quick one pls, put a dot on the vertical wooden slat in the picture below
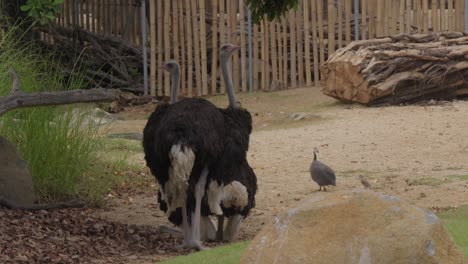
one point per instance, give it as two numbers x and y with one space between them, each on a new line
450 15
222 33
386 18
348 21
425 16
371 11
123 19
315 53
233 39
214 46
320 32
434 16
154 63
396 10
308 70
183 48
175 36
401 24
160 44
86 14
379 21
443 16
331 27
272 50
280 50
292 46
285 45
204 70
267 57
339 22
365 29
196 46
188 28
255 57
167 41
459 15
300 52
417 15
408 16
263 55
116 18
243 45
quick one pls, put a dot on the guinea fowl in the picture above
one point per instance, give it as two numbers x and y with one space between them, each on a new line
232 182
182 142
321 173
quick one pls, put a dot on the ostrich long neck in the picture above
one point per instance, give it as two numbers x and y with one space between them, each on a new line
175 80
226 69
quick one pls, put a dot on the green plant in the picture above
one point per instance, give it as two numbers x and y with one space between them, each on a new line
456 222
270 8
225 254
42 10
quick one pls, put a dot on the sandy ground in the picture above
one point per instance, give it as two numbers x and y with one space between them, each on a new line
419 153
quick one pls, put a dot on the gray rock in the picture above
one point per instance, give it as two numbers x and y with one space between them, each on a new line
15 181
131 136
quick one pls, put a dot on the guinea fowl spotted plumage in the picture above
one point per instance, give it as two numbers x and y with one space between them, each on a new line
321 173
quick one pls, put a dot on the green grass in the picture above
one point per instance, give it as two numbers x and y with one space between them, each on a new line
225 254
427 181
61 151
456 222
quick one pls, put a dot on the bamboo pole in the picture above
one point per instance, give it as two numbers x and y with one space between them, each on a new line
313 16
443 16
401 24
292 46
196 47
331 27
339 22
214 45
379 22
279 46
183 48
308 70
425 8
272 51
175 26
160 44
153 62
255 57
243 45
267 57
386 18
408 16
450 15
320 31
233 39
167 41
284 25
263 55
222 33
300 48
371 13
434 16
203 48
348 21
365 29
189 33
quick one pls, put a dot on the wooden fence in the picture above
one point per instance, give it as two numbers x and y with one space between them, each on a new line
287 53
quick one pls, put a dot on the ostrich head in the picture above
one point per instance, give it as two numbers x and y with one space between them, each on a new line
174 69
225 58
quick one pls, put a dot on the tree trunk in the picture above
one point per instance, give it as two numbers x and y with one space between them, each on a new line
399 69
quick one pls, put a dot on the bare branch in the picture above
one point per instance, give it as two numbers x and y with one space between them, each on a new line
18 100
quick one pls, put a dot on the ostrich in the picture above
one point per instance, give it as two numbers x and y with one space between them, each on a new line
181 142
232 183
321 173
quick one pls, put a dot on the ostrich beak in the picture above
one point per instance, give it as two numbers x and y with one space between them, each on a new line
163 67
233 48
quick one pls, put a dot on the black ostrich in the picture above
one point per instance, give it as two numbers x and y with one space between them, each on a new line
232 183
182 142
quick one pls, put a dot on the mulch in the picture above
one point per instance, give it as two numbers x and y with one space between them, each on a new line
76 236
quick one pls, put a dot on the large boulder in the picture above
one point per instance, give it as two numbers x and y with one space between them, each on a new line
16 183
358 226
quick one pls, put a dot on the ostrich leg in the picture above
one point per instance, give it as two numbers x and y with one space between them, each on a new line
219 233
194 239
232 227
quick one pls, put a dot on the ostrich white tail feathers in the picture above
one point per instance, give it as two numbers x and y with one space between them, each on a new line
232 195
175 190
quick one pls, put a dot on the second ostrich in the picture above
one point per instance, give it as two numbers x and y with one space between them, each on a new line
232 183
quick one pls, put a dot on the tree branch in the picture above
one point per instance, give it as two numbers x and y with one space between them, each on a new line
18 99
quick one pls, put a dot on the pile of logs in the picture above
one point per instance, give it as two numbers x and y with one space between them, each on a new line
399 69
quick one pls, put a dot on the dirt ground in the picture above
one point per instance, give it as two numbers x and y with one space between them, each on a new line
419 153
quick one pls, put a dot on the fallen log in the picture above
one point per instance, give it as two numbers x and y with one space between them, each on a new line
17 98
399 69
